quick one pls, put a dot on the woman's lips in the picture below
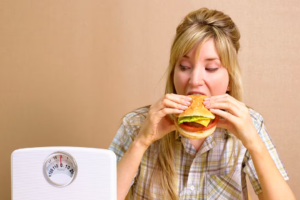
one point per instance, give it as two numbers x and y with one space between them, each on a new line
195 93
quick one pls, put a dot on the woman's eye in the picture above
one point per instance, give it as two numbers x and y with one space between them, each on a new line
183 67
211 69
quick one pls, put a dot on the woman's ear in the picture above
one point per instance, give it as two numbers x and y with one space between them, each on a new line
228 89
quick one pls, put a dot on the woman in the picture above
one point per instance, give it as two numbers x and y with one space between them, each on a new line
156 162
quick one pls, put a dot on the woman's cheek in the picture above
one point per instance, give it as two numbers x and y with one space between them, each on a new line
219 84
180 82
177 82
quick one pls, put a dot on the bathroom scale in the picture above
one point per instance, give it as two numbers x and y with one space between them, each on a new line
63 173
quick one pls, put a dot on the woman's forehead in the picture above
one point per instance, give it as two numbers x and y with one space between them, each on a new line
204 51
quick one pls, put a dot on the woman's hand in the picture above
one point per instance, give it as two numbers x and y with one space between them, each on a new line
158 123
236 116
237 120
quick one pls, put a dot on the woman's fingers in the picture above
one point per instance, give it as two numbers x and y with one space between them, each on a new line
158 123
223 123
181 99
223 98
226 124
237 118
174 101
168 111
225 102
231 118
171 104
230 107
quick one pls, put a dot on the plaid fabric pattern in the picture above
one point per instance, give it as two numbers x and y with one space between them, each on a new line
206 174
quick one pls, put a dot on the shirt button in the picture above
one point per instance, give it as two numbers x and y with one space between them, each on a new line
192 188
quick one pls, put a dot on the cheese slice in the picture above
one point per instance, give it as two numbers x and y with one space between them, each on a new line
191 119
203 122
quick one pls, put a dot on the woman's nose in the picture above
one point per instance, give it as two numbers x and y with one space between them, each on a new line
196 78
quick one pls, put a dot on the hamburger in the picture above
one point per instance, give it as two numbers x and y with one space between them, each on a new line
196 121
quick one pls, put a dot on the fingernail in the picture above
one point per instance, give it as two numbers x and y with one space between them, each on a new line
187 103
206 99
189 98
207 105
184 107
205 102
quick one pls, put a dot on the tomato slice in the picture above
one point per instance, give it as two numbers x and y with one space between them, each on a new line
201 128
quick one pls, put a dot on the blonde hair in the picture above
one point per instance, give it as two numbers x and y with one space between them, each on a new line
198 26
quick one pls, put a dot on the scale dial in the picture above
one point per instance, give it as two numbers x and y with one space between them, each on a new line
60 169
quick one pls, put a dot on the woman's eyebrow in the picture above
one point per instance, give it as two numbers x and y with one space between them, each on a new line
206 59
211 59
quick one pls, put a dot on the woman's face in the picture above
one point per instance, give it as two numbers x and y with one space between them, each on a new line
206 75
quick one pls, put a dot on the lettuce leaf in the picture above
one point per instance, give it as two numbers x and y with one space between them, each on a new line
190 119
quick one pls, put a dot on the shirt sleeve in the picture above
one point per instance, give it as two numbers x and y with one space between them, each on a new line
123 139
249 166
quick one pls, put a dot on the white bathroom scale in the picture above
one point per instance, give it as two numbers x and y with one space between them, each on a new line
63 173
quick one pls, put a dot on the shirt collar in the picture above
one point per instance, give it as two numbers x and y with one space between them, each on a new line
177 135
209 143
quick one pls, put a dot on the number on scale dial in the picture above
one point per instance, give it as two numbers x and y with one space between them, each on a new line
60 169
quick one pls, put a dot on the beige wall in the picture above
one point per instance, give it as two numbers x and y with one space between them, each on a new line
69 70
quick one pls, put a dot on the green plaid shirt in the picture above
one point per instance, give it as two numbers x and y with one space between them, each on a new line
204 174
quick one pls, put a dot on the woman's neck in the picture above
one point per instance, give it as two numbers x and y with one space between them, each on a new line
197 143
